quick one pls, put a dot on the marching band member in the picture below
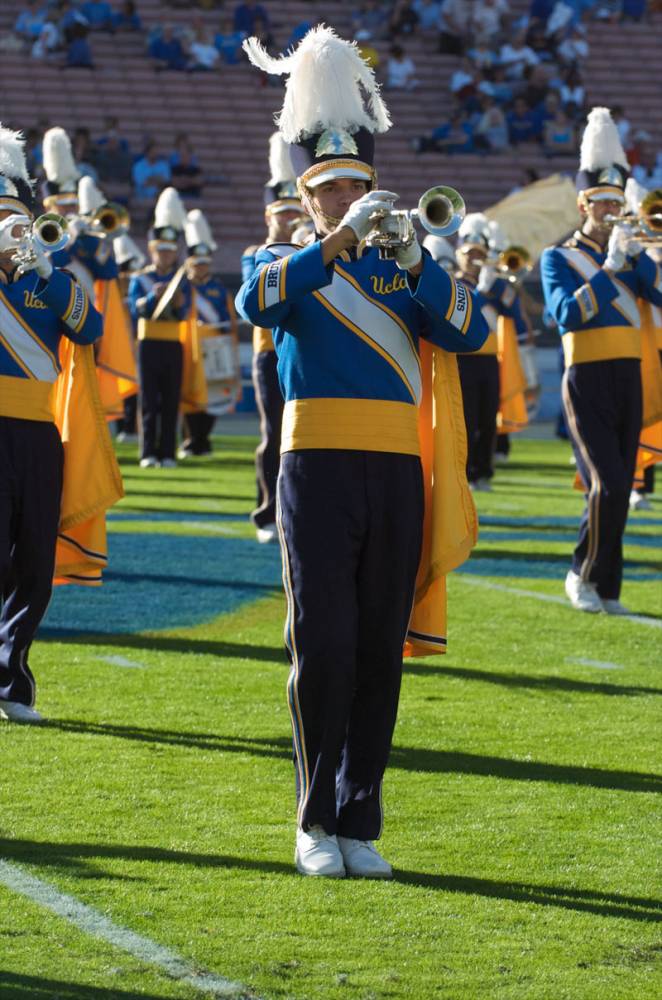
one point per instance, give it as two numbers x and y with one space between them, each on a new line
158 331
441 250
479 372
282 209
346 326
39 304
591 284
214 310
129 258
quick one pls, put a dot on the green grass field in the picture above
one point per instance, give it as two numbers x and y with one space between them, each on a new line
522 801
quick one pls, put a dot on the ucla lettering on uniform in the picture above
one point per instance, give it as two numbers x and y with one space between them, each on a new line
380 288
32 302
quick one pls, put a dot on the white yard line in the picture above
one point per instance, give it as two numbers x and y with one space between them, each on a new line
477 581
120 661
601 664
94 923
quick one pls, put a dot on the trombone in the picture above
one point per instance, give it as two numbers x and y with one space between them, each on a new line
440 210
49 232
513 262
646 223
110 220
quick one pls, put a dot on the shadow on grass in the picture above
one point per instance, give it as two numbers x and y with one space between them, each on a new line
126 505
545 683
519 556
163 492
21 987
75 856
191 581
169 644
403 758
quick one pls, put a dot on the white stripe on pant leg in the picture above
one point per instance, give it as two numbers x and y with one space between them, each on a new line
94 923
593 505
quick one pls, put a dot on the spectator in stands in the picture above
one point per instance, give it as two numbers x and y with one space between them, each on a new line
463 84
49 40
299 31
482 56
113 159
245 16
112 136
537 85
573 95
228 41
127 17
79 53
263 33
33 152
491 130
84 153
623 126
30 21
541 43
574 48
559 135
453 27
70 20
453 136
401 71
486 20
166 50
369 21
404 19
648 171
151 173
185 171
203 54
523 123
98 14
516 56
428 12
547 109
540 10
633 10
495 84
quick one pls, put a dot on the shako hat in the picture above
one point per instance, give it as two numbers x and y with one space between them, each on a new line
332 107
474 231
200 243
603 165
440 250
16 194
280 191
169 220
90 198
128 255
62 174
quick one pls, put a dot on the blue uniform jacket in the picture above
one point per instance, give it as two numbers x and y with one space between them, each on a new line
211 302
94 253
143 301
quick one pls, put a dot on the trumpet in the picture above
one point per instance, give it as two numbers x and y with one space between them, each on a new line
440 210
111 219
513 262
49 233
646 224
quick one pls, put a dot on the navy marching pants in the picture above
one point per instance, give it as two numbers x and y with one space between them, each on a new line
602 403
160 371
351 524
270 405
31 459
479 377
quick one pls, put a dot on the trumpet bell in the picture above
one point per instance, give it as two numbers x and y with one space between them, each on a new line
112 219
650 213
51 232
514 260
441 210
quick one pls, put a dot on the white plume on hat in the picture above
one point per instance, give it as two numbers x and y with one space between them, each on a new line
475 228
601 144
12 155
197 230
280 163
124 249
90 197
497 236
169 210
327 88
440 248
58 158
634 195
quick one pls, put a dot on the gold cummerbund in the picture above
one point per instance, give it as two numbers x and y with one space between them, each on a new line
26 398
604 343
490 345
262 339
158 329
356 424
658 337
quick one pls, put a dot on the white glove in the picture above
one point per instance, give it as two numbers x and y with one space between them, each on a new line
38 262
486 278
8 241
359 214
75 226
631 244
616 252
408 257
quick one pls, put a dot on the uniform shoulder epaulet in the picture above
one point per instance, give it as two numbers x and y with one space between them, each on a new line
251 250
281 249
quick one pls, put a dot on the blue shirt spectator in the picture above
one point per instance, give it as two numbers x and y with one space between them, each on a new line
127 17
245 15
228 44
454 136
541 9
167 50
151 173
79 53
98 14
30 21
523 123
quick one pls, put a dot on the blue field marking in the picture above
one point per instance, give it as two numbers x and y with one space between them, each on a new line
497 521
168 516
160 581
646 541
533 568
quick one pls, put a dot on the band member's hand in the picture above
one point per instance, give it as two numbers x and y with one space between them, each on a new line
486 278
616 253
38 261
408 258
360 215
631 244
158 288
12 229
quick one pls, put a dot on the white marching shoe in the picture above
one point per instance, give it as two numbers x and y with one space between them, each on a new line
639 501
149 462
15 711
614 607
317 853
582 595
267 534
362 859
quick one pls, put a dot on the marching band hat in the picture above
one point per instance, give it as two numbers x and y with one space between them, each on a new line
61 172
16 194
90 197
474 232
169 221
441 250
332 107
603 165
280 191
199 240
128 255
